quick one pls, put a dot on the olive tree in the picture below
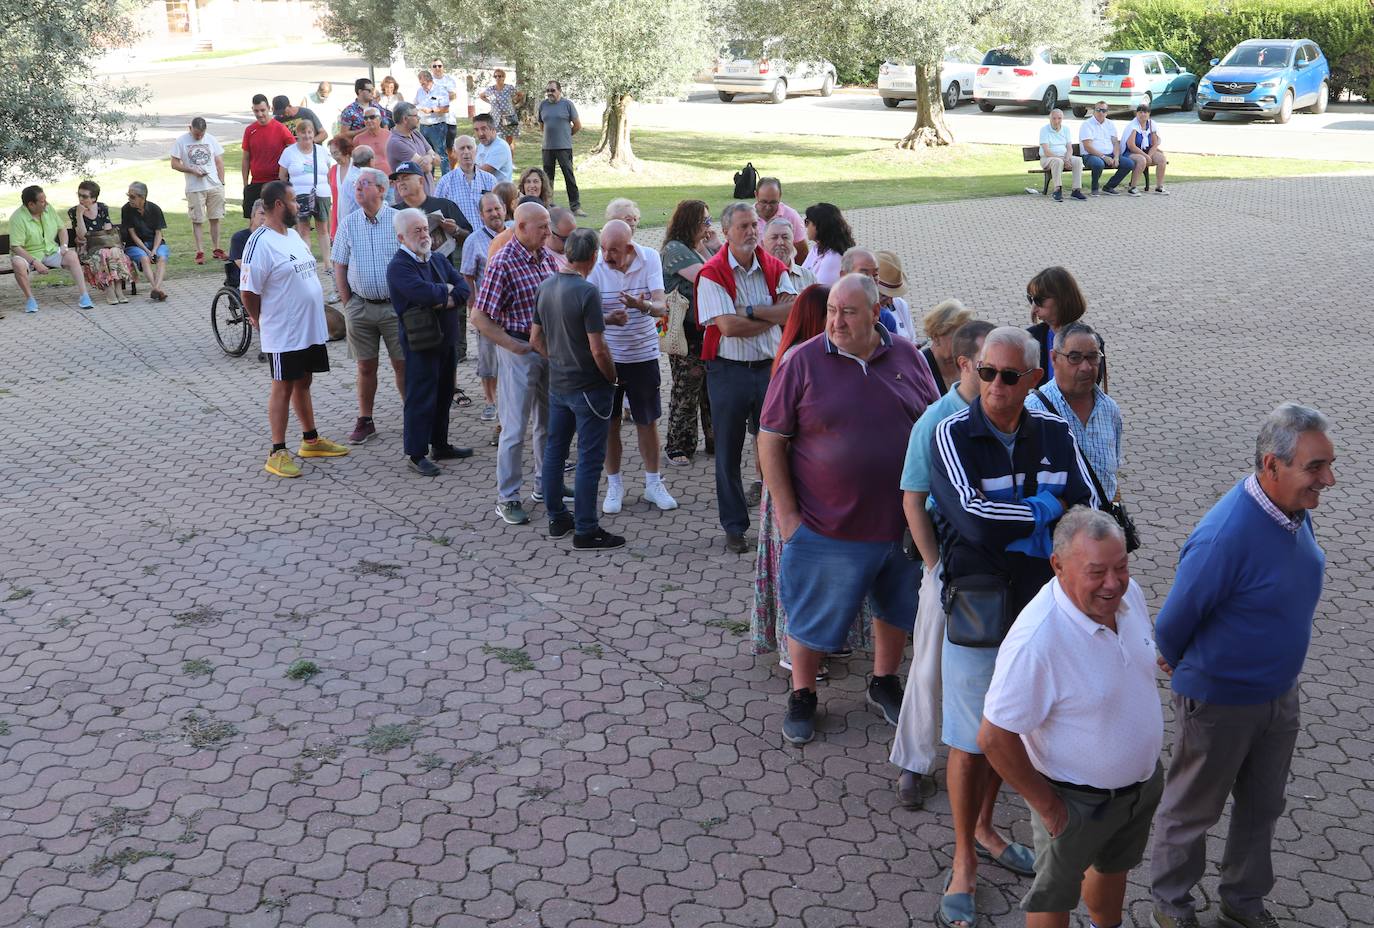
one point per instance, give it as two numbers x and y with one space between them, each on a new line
367 27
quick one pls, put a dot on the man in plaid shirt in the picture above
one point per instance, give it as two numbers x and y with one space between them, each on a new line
503 313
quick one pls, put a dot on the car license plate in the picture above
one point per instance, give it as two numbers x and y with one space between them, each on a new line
903 85
1231 99
1102 84
999 93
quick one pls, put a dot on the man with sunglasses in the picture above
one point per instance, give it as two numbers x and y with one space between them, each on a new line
449 84
560 121
1001 476
1101 145
351 120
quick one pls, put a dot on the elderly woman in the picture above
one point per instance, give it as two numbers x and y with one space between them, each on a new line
535 183
686 247
624 209
103 262
1056 301
144 224
305 166
940 324
827 229
503 99
389 93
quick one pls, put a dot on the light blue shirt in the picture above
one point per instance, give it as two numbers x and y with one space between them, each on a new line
497 154
1059 144
367 247
466 193
916 470
1099 440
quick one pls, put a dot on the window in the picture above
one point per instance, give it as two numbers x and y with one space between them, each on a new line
1005 57
1170 66
1152 66
1259 56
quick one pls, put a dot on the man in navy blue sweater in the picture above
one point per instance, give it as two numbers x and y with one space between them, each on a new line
1233 634
416 277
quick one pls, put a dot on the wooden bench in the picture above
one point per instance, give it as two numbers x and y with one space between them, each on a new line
1032 153
7 267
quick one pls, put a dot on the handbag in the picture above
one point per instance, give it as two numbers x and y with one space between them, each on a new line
675 341
423 332
305 202
1114 508
977 610
103 238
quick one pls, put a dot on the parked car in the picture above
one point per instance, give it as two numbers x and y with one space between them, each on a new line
1009 77
897 80
749 67
1126 79
1266 77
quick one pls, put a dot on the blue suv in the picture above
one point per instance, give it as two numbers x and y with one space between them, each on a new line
1266 77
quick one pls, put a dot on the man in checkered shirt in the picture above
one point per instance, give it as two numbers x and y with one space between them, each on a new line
503 313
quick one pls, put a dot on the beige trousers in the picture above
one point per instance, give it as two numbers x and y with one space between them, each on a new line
1056 166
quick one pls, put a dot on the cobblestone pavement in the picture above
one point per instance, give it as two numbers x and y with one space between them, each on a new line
506 733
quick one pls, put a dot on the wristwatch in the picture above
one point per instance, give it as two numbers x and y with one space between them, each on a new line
749 311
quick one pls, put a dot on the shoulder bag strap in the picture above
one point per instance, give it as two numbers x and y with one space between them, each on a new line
1103 502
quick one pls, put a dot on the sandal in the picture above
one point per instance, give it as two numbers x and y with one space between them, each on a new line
1016 857
679 459
956 909
460 398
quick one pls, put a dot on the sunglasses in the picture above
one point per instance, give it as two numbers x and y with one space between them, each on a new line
1076 358
1100 109
1011 378
437 64
1037 298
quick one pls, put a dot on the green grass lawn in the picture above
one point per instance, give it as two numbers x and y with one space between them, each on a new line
210 55
851 173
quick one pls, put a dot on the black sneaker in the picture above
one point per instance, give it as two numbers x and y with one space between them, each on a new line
423 466
799 725
885 693
451 453
736 544
560 525
598 540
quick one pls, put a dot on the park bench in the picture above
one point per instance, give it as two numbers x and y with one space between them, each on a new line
1032 153
7 264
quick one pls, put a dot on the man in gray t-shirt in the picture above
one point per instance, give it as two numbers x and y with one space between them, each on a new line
559 118
569 329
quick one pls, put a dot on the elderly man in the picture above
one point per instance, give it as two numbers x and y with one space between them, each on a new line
560 122
465 185
562 222
504 312
352 118
363 248
424 284
1002 476
493 223
284 301
361 157
769 206
493 153
144 226
200 157
1056 153
743 294
38 244
432 103
862 261
411 192
1233 634
374 138
408 145
833 476
1072 721
569 328
781 242
324 103
1101 146
629 278
264 139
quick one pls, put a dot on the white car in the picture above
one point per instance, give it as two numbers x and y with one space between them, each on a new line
747 67
897 80
1008 77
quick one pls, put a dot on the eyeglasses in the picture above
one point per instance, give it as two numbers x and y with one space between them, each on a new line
1037 298
561 238
373 116
437 64
1100 109
84 196
708 222
1011 378
1078 357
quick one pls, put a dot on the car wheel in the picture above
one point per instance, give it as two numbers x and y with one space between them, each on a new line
1286 110
1050 100
986 107
779 93
827 86
1206 115
890 102
1189 100
952 95
1323 97
725 97
1080 112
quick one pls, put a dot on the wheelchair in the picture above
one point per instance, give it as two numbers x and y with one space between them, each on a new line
230 322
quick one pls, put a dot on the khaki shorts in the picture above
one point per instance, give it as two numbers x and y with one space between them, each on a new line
206 204
1107 833
369 324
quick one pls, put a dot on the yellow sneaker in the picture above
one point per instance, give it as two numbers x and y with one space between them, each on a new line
282 464
321 448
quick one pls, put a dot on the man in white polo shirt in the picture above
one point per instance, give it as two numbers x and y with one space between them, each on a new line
1072 721
1101 146
630 278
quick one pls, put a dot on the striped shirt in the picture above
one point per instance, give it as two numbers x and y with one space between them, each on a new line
751 289
475 253
366 246
466 193
637 339
1256 492
1099 441
510 285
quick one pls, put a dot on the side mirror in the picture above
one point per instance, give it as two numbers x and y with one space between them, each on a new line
1301 63
1215 62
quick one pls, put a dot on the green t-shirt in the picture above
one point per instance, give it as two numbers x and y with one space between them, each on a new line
36 235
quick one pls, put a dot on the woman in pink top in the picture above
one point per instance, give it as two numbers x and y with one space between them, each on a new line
826 228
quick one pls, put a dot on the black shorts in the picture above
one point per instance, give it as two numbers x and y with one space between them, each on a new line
293 365
251 192
639 381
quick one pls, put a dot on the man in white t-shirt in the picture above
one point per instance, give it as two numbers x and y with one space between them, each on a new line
1102 149
630 278
285 302
1072 722
1056 153
450 85
324 103
493 154
200 156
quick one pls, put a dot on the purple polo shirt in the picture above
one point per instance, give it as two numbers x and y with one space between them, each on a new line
849 422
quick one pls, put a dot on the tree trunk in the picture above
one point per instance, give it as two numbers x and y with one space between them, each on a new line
930 129
614 144
528 110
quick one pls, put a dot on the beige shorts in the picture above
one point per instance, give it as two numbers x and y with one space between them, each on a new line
206 204
370 324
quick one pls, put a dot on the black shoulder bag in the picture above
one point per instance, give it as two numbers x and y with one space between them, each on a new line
421 323
746 182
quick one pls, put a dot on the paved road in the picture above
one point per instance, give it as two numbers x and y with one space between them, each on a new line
635 775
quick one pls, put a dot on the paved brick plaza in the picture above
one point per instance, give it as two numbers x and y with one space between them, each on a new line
158 768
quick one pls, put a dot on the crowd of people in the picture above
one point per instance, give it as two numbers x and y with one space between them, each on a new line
961 496
1127 152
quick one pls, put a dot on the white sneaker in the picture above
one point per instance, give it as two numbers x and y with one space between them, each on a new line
658 494
1134 192
615 496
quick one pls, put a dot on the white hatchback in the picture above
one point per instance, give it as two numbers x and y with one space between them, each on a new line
897 80
749 67
1009 77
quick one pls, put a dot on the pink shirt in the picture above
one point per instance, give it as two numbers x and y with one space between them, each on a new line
825 265
792 216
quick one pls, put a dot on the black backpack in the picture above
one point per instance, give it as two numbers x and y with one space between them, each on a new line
746 182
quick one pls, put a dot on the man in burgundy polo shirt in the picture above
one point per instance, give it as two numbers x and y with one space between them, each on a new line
832 442
264 140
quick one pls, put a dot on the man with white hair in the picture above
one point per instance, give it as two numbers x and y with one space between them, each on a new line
1233 635
629 277
780 241
1001 477
1072 722
1056 154
465 185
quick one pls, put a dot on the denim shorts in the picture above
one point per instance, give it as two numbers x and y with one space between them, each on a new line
965 675
137 254
824 581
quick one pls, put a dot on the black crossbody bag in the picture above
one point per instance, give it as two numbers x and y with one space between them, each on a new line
423 331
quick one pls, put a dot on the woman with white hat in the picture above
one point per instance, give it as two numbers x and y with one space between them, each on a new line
891 287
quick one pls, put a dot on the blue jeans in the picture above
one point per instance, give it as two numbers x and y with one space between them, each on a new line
437 136
1097 164
589 413
736 390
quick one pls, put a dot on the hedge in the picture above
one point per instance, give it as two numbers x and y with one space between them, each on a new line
1195 31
